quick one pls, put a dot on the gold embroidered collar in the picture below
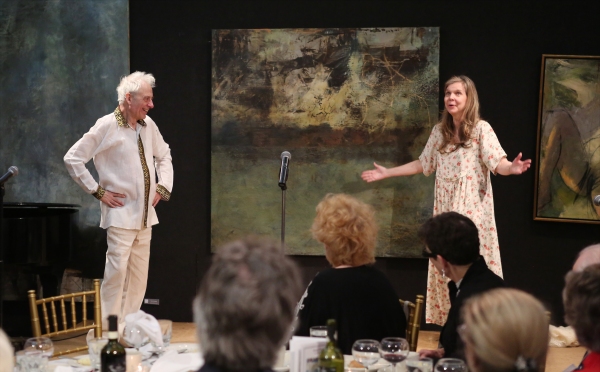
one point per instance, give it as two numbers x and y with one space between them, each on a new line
121 119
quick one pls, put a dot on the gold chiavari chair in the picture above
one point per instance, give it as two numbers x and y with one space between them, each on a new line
56 322
413 312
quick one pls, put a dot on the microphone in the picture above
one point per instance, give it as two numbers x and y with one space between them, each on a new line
597 200
12 171
283 171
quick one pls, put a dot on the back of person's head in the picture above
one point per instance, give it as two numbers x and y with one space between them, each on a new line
452 236
245 305
588 256
581 298
347 228
504 330
6 353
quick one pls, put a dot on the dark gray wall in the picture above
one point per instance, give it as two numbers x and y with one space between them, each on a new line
498 44
54 84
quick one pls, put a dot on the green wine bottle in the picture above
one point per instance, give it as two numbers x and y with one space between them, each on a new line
112 356
331 358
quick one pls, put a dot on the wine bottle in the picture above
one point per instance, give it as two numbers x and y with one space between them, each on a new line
112 356
331 358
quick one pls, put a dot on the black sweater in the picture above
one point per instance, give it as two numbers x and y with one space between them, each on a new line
361 300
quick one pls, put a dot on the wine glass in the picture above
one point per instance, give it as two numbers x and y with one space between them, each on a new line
451 364
134 336
43 344
394 350
366 352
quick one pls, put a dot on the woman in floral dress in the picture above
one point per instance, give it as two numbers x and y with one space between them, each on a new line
462 150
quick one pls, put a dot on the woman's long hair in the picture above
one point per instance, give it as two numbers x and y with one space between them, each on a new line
469 119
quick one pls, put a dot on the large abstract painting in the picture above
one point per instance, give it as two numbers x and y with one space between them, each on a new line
337 100
568 179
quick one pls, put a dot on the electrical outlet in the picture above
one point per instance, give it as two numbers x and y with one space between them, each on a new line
151 301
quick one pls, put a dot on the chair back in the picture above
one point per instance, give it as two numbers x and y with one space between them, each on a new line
56 322
413 313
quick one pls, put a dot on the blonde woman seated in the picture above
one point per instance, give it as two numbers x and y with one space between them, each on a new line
504 330
353 292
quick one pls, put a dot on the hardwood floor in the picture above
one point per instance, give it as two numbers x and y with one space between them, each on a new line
558 358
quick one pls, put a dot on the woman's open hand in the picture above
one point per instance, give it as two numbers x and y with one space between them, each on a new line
519 166
376 174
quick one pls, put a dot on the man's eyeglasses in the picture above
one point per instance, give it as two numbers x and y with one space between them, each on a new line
426 254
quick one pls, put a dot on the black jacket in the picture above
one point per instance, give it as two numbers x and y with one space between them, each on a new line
478 278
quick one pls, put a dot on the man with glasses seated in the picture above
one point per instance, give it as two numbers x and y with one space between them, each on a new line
452 245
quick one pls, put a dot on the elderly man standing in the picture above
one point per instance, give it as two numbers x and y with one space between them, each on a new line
129 154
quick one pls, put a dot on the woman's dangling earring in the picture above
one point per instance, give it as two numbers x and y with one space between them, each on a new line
443 273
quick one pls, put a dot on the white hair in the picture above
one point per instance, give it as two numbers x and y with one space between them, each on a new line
131 84
590 255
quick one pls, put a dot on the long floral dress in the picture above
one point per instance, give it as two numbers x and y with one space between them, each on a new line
463 185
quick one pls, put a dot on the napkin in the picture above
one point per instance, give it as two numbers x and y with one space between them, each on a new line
149 326
562 337
172 361
63 369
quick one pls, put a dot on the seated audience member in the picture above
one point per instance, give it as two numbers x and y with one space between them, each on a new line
452 245
588 256
353 292
6 354
504 330
245 306
581 298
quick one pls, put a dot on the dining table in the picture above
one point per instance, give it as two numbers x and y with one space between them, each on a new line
177 357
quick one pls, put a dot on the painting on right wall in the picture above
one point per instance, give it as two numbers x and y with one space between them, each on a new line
568 146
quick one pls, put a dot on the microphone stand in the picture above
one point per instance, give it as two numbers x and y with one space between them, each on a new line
283 188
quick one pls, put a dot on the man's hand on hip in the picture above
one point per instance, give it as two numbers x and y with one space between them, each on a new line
111 199
157 198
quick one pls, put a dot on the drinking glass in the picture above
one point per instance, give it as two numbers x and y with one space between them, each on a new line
30 361
318 331
417 364
394 350
95 346
43 344
134 336
133 360
166 329
450 364
366 352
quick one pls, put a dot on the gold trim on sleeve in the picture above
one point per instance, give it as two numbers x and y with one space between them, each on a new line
99 192
163 192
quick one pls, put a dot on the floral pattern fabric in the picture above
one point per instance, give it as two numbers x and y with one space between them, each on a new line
463 185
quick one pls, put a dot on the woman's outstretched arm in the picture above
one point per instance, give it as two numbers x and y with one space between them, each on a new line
380 172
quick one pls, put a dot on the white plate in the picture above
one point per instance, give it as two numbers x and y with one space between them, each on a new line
72 362
184 347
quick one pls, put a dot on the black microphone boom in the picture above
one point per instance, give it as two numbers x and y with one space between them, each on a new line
283 171
12 171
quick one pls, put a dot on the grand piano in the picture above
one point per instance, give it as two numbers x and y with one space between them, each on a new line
37 241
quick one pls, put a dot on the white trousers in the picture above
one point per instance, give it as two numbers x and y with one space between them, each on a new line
125 273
